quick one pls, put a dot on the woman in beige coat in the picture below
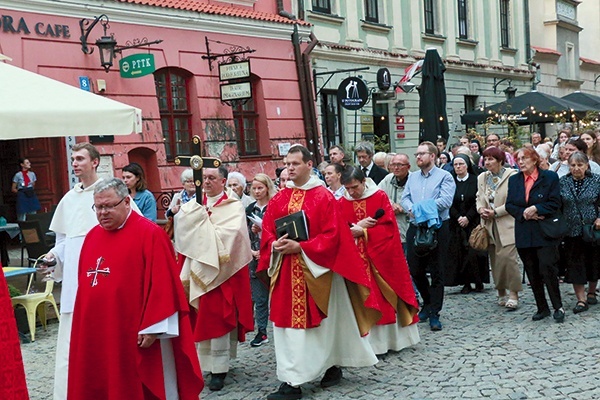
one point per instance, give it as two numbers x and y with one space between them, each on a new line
492 189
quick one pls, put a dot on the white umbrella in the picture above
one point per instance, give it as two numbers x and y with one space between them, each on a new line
33 105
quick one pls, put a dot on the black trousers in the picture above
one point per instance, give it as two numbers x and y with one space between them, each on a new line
434 262
541 266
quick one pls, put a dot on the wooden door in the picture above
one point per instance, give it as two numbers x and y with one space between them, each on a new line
49 162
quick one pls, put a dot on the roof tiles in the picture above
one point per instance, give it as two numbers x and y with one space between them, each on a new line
208 8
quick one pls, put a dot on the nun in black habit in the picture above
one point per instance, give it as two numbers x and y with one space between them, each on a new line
466 266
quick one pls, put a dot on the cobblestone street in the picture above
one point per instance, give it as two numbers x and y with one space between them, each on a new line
483 352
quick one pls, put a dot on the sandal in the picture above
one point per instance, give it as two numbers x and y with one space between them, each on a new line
502 300
581 306
512 304
591 298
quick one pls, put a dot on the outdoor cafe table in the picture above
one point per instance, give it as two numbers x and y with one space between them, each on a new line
9 272
11 230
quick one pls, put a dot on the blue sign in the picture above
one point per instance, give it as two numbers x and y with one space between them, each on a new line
84 83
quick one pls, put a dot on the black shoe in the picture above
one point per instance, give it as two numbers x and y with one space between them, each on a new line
559 315
540 315
479 287
466 289
581 306
286 392
260 339
592 299
217 381
332 377
434 323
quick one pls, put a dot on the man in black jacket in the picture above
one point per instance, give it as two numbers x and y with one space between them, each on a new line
364 153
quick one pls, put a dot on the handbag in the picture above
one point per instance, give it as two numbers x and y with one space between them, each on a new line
591 234
425 240
554 227
479 239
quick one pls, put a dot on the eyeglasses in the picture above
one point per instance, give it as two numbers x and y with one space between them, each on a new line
399 165
421 154
100 209
188 181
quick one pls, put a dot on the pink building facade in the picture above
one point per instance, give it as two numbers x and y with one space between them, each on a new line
181 98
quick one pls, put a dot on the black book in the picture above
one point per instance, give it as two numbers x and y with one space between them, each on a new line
294 225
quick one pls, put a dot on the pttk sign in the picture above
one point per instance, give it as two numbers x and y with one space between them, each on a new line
137 65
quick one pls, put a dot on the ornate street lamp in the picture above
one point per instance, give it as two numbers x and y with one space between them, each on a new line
106 43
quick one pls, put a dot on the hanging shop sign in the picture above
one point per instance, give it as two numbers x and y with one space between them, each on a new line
236 70
236 91
384 79
137 65
353 93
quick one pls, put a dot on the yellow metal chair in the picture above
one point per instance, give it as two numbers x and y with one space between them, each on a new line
35 303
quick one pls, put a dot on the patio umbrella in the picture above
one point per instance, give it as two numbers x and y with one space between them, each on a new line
536 107
33 105
432 102
590 100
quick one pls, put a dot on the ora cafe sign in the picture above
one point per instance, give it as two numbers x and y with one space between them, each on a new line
137 65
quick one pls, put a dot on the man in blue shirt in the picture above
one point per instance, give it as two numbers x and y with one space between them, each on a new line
429 184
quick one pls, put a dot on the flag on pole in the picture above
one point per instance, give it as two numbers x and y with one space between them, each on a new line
410 71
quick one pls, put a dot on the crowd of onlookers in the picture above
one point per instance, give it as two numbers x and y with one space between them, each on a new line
508 190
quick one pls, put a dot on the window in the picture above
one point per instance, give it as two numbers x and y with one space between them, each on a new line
570 58
245 119
175 115
470 105
504 23
371 11
463 31
323 6
331 119
429 17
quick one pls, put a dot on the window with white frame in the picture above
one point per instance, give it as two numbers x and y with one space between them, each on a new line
372 11
505 23
463 19
430 15
322 6
570 58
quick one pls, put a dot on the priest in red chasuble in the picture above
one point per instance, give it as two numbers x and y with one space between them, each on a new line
131 335
368 212
321 306
212 238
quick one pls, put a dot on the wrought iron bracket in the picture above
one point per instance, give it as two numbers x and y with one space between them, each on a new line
234 53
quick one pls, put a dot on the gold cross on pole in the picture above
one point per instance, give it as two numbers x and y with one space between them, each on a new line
197 162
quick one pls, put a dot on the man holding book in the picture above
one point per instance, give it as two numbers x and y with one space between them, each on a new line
321 306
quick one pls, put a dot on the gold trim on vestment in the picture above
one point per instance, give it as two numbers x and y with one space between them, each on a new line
404 313
224 259
198 281
366 318
298 283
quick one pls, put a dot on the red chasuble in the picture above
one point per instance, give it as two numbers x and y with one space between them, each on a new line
225 308
12 375
292 304
128 281
382 249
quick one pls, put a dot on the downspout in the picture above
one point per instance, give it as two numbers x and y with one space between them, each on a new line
307 101
528 57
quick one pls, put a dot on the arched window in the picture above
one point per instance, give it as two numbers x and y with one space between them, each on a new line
172 92
247 121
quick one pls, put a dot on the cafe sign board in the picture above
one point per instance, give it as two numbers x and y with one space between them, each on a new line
237 70
137 65
236 91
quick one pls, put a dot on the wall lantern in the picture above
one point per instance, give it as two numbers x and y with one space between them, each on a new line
107 44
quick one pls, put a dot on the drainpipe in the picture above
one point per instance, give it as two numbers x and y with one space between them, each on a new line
307 100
